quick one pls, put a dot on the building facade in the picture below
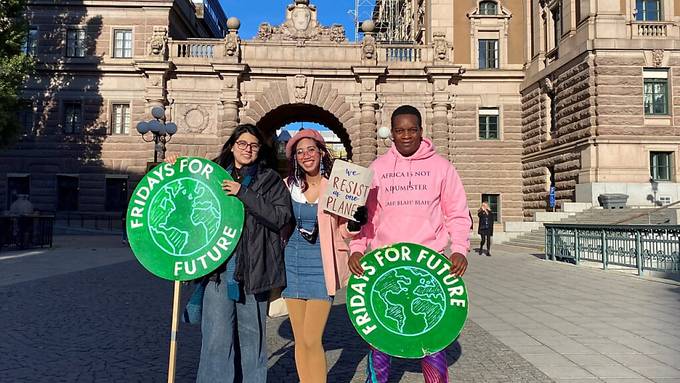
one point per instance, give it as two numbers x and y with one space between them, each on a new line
516 108
600 110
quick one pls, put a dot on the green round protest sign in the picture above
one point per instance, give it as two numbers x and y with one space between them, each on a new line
406 304
180 224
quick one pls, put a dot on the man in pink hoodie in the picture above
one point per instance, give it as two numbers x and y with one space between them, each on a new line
416 196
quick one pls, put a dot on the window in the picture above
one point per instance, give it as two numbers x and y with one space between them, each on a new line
648 10
488 124
557 24
488 54
17 184
655 92
488 8
660 165
75 43
30 45
120 119
122 43
72 117
116 194
25 116
67 193
494 204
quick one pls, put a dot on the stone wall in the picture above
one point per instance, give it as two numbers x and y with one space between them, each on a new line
543 148
489 166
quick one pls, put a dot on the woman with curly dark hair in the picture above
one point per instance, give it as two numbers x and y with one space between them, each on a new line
316 252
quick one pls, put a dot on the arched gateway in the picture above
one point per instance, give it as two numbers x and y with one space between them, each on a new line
302 71
85 154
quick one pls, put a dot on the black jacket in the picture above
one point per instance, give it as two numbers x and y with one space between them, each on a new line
259 263
485 222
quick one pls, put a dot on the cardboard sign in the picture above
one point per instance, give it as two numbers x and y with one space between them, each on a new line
180 224
348 188
407 304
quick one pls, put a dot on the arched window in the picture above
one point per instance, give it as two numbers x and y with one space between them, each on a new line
488 8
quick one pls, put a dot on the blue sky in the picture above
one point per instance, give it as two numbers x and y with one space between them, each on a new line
253 12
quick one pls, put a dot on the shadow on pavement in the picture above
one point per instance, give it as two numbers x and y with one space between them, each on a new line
341 336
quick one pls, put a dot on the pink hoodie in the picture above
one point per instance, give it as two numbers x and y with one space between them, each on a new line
417 199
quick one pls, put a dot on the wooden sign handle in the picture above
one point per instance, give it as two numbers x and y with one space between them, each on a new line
173 333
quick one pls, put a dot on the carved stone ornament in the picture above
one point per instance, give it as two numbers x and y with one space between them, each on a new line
196 118
368 47
300 88
300 91
301 25
158 43
231 44
657 57
547 85
441 46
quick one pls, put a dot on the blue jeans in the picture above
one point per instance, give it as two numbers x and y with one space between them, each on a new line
234 337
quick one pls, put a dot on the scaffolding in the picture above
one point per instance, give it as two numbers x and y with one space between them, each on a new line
396 21
363 10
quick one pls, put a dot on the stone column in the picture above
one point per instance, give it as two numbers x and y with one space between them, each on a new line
367 149
230 71
368 137
441 77
440 126
156 92
230 98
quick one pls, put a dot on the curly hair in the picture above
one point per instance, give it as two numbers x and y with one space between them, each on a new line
298 176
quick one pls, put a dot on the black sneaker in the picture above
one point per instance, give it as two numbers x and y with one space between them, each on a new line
488 254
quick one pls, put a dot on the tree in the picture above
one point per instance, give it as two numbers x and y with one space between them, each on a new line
15 65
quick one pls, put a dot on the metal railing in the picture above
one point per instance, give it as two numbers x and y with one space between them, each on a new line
649 214
25 231
91 221
642 247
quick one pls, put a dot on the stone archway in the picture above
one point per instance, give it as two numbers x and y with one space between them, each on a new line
286 114
284 102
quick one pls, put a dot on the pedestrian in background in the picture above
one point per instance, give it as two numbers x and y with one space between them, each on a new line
316 252
485 229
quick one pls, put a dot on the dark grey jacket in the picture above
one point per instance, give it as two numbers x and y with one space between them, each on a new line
259 263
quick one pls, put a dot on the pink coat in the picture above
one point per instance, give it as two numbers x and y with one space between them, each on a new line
333 234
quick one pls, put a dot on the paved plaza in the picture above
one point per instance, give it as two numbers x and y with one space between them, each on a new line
85 311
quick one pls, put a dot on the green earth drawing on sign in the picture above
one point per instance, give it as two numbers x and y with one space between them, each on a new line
170 227
410 299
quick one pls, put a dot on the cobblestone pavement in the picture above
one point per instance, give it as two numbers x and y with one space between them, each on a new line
530 321
111 324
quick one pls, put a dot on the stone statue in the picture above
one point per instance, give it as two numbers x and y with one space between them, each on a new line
368 47
301 17
158 43
301 25
441 46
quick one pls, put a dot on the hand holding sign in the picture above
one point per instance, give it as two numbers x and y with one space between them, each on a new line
359 219
347 189
180 224
406 303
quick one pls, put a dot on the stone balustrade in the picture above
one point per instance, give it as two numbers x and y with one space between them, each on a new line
205 51
195 49
651 29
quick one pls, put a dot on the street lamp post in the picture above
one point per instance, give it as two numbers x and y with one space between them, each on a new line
161 131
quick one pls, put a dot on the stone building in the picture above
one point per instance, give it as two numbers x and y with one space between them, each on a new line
514 107
600 101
